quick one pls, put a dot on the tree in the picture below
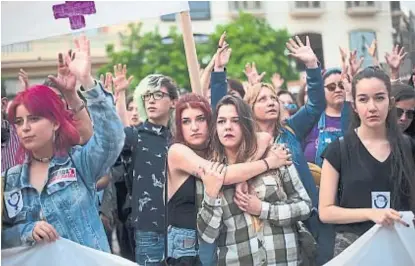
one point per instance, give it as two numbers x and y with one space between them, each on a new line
252 40
150 53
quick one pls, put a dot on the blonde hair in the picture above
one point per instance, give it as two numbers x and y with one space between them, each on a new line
251 97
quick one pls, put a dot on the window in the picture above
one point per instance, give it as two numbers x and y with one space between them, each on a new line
17 48
358 41
199 10
350 4
245 5
395 5
307 4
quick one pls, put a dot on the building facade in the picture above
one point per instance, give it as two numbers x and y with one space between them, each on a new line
351 25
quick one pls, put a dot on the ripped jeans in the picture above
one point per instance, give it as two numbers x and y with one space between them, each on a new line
149 248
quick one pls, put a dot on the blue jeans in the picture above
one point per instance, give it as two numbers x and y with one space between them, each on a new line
149 248
207 253
181 242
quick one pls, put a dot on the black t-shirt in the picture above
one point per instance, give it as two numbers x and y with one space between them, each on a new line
360 175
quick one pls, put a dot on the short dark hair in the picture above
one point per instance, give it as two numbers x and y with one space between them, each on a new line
129 100
281 92
237 86
402 92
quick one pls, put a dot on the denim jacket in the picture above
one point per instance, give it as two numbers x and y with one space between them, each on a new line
67 201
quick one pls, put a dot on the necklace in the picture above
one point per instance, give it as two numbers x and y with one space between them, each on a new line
42 160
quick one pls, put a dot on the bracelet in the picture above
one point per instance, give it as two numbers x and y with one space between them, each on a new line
77 109
266 163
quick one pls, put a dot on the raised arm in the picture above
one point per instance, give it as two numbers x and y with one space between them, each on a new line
121 84
297 207
65 82
219 85
102 150
304 120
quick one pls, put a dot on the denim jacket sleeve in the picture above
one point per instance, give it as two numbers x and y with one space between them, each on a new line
95 158
17 235
308 115
218 87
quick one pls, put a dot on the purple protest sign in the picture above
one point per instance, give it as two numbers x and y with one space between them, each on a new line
75 11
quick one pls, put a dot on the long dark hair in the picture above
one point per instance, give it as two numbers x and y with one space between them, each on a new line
249 141
402 167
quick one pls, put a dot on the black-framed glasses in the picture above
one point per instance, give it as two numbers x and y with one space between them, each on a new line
157 95
409 113
332 86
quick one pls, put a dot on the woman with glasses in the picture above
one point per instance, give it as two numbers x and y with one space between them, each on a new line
332 123
405 108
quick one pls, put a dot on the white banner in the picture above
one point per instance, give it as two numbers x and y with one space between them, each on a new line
23 21
63 253
386 246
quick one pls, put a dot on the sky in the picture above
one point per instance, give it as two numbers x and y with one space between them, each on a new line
408 5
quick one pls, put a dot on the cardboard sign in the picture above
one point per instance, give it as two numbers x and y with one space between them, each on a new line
23 21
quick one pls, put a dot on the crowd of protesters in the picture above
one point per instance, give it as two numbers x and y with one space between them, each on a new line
246 173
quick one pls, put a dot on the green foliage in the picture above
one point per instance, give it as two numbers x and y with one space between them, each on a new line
252 39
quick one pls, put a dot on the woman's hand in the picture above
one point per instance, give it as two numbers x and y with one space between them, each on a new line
278 156
302 52
386 217
44 232
213 176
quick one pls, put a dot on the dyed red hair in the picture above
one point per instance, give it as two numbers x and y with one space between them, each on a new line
41 101
195 101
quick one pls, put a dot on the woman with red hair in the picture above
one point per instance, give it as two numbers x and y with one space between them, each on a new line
51 194
187 159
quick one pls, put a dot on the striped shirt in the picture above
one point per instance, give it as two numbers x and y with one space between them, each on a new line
9 148
240 241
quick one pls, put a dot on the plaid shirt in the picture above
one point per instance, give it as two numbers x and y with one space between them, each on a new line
284 201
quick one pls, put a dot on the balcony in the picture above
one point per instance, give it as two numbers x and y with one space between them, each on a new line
362 8
306 9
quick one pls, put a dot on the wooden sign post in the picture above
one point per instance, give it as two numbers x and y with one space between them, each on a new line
190 50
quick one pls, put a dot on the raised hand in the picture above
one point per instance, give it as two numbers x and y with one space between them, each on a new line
302 52
395 59
252 75
277 81
347 83
372 52
121 83
80 62
354 63
106 81
66 80
222 54
23 79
